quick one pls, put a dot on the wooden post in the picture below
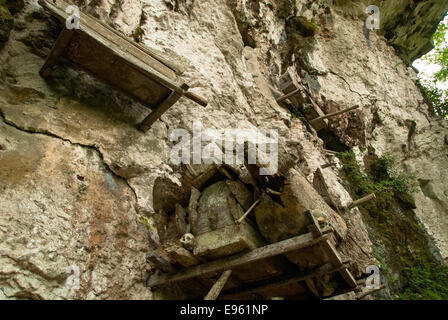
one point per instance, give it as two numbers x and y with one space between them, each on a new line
336 260
160 263
61 43
161 109
180 219
192 209
362 200
225 172
248 211
330 115
204 177
270 191
364 294
289 95
217 287
313 227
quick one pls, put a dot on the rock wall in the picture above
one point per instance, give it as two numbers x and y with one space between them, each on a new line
76 174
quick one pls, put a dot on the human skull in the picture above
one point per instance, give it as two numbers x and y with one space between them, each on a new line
187 241
321 217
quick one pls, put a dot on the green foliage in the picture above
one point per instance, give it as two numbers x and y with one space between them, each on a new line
380 258
436 97
426 282
421 275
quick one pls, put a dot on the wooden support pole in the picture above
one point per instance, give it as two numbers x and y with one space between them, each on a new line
192 209
313 227
336 260
161 109
61 43
191 170
160 263
225 172
303 241
180 218
217 287
365 294
362 200
204 177
270 191
287 96
248 211
330 115
331 151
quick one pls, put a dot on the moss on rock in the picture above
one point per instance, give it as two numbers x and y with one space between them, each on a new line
422 276
6 22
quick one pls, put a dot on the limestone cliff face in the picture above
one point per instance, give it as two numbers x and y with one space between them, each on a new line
76 174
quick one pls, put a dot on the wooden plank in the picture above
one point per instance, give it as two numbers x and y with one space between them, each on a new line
217 287
160 263
57 50
192 209
147 55
362 200
273 283
366 293
310 285
204 177
313 227
125 50
296 243
287 96
161 109
180 219
336 260
330 115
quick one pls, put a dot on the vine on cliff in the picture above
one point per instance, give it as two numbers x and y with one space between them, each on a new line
390 215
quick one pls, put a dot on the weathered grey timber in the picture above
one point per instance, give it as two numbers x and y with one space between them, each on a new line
137 71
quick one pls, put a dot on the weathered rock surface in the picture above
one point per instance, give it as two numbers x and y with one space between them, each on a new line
75 173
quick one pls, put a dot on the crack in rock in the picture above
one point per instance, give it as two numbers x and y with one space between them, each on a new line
91 147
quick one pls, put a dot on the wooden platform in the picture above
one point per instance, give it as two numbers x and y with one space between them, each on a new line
302 100
138 71
291 283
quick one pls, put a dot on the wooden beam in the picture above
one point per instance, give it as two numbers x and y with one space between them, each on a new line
141 58
58 49
296 243
248 211
180 219
313 227
270 191
330 115
361 201
192 209
336 260
160 263
273 283
204 177
161 109
365 294
287 96
217 287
